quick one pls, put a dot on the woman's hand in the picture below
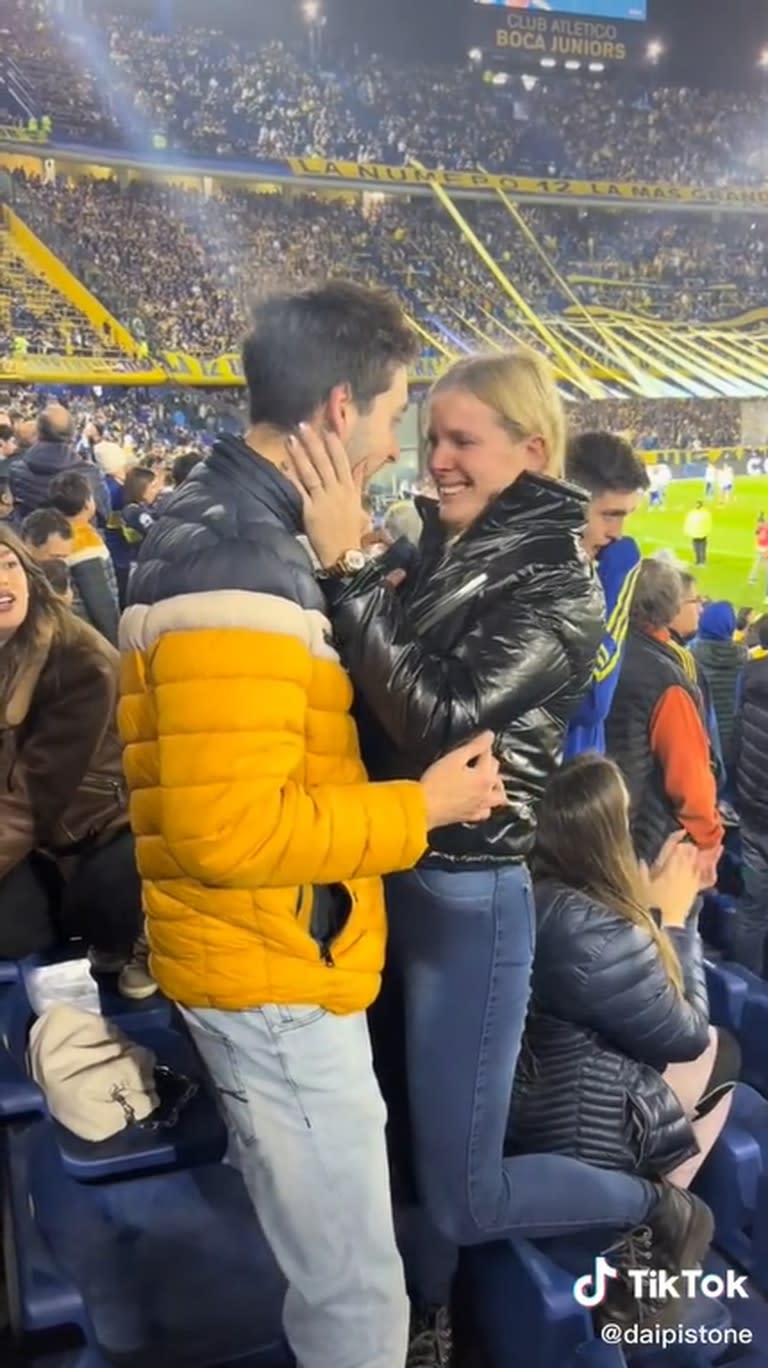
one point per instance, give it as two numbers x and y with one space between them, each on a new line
673 885
331 492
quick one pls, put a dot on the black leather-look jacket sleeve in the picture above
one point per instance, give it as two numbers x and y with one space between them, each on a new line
512 660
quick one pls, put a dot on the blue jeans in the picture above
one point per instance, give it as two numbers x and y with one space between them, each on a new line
460 954
750 920
306 1116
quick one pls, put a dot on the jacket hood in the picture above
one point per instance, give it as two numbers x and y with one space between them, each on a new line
245 467
530 497
46 458
718 622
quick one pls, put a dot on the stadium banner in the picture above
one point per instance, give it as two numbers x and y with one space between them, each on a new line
690 464
370 176
177 368
184 369
79 370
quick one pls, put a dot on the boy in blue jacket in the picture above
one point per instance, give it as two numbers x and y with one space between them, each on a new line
615 479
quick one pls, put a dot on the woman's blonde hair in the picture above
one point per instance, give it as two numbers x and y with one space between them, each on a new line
47 617
583 841
519 385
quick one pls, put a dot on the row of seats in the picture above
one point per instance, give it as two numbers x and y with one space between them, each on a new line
144 1250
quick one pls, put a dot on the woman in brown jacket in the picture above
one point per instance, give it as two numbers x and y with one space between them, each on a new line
67 865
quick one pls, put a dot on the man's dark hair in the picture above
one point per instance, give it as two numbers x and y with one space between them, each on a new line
56 572
37 527
302 345
6 432
743 619
604 464
69 492
761 631
183 466
689 581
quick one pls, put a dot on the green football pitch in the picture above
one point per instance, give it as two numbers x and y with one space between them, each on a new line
731 546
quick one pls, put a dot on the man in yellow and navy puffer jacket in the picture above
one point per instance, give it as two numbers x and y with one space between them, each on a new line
260 841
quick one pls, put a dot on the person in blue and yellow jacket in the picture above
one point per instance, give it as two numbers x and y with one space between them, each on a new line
615 478
260 840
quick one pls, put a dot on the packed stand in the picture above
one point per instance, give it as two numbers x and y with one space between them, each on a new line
182 270
664 424
111 81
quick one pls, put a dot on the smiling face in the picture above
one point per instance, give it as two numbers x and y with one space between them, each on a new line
474 455
14 594
372 436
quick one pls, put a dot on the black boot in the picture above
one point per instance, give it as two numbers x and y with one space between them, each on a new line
430 1342
676 1236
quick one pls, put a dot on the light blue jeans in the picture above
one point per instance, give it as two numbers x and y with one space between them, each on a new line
307 1119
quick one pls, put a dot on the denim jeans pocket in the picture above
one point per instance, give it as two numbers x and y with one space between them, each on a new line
220 1056
459 886
284 1017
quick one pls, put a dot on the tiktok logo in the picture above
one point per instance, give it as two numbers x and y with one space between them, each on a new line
591 1290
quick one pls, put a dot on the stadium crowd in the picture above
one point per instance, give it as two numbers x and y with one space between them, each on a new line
181 269
202 92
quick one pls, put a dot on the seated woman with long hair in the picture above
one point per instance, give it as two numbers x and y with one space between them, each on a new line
67 864
620 1066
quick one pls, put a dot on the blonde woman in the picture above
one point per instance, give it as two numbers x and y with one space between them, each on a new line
621 1067
496 626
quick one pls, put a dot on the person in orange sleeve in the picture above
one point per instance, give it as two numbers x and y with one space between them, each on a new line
656 730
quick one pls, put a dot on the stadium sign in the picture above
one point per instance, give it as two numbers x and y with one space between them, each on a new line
550 35
372 176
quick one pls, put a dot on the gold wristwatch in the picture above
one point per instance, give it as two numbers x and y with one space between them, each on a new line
349 563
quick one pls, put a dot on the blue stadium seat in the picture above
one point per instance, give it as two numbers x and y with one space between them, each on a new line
734 1184
164 1272
727 995
753 1038
526 1312
716 914
200 1136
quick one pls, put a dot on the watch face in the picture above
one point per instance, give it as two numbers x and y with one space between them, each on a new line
353 561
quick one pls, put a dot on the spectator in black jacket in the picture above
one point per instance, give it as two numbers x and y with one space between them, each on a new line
750 763
620 1066
496 626
93 575
52 453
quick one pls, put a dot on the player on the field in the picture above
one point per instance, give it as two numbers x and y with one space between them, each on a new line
725 480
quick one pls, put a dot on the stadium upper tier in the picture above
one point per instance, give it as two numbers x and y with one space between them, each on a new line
109 82
620 301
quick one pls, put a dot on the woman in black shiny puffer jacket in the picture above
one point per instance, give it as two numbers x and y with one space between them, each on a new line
620 1066
496 627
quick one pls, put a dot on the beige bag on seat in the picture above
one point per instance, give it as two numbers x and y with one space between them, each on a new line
96 1081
